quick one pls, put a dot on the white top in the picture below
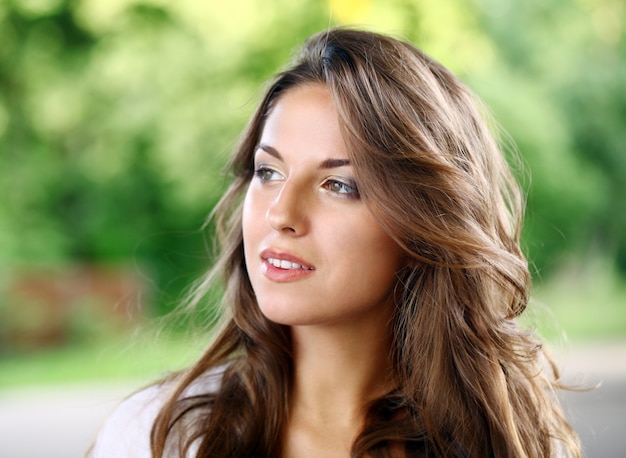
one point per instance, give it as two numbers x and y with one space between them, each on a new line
126 432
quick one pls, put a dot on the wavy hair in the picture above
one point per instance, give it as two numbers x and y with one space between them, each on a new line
471 383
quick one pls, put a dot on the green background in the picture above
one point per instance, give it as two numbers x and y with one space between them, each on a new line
117 117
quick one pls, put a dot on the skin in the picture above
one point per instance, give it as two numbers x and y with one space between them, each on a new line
303 206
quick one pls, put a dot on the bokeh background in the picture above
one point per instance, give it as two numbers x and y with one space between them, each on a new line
117 117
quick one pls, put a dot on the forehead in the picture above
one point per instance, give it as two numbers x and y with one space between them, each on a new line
304 120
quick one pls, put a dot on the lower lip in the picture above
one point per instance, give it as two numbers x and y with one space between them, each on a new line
278 275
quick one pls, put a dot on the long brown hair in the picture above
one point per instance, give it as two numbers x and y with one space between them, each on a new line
471 382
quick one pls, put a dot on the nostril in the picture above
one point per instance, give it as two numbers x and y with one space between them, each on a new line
287 220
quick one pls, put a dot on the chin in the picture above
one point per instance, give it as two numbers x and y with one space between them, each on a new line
276 314
287 316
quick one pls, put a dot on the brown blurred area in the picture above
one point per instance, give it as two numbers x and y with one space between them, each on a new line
49 307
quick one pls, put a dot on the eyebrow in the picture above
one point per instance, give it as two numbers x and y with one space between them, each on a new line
325 164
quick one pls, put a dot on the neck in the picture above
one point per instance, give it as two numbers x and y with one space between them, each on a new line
338 373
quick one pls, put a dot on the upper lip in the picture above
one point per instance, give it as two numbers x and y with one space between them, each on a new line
284 256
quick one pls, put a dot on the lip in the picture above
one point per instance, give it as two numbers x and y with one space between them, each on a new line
276 274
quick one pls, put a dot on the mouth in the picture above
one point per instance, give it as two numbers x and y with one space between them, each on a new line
284 261
287 265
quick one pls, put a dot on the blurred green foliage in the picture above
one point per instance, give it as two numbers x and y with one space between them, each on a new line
559 88
116 118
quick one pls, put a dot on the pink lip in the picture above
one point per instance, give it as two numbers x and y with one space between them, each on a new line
279 275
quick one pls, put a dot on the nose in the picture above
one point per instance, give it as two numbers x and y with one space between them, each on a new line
286 213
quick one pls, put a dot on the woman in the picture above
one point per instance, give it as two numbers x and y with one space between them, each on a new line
372 278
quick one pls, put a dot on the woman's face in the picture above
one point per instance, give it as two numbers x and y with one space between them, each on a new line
314 253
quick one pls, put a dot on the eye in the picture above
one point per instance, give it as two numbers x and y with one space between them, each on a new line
266 174
345 190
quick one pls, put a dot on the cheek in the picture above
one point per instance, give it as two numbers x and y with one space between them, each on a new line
250 225
250 218
381 258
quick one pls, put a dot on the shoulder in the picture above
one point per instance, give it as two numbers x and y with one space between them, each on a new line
126 432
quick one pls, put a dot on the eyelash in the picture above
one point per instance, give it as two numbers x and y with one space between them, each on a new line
349 190
261 172
341 189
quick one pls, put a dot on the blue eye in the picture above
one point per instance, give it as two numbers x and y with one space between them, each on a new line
267 174
345 190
